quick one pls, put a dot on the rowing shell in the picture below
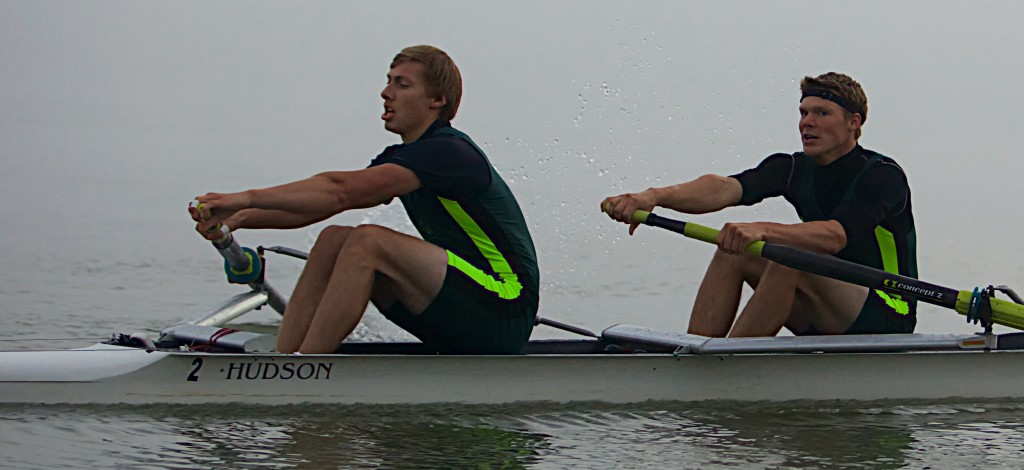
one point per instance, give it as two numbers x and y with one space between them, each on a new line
201 362
625 365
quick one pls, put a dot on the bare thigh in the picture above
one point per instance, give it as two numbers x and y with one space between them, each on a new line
829 305
407 269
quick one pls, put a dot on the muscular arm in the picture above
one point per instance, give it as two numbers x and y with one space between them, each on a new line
827 236
310 200
262 218
708 193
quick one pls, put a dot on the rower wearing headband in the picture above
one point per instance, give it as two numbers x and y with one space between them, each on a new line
853 203
853 108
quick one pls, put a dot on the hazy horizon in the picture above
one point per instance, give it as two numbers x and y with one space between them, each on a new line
114 114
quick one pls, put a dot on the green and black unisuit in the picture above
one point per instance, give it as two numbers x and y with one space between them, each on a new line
489 300
868 194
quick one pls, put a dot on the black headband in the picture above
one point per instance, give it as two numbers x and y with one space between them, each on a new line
828 95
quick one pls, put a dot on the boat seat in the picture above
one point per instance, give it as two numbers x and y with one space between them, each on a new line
638 337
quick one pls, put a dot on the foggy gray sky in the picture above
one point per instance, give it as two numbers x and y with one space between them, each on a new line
114 114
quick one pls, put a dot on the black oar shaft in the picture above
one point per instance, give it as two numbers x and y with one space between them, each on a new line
1002 312
817 263
830 266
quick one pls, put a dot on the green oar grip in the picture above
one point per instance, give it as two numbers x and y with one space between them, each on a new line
640 216
689 230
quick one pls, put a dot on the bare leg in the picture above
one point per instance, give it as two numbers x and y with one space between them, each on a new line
310 287
798 300
714 309
771 305
414 271
830 305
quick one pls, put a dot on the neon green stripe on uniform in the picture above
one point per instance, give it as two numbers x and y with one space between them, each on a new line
890 262
509 287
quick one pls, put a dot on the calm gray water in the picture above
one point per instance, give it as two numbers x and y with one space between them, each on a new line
114 114
657 435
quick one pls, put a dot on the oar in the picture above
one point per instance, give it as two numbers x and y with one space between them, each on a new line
972 304
242 266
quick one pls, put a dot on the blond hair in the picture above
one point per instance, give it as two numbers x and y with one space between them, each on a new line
845 87
442 77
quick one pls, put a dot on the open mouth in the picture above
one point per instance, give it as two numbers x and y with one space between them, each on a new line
388 113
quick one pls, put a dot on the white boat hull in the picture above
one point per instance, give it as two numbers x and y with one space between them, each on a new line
109 375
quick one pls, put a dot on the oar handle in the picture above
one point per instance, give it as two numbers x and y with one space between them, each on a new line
235 256
243 265
688 229
242 261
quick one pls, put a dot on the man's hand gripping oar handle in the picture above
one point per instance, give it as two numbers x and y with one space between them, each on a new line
689 230
964 302
242 265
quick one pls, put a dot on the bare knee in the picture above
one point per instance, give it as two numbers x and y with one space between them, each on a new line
332 238
749 268
366 242
784 276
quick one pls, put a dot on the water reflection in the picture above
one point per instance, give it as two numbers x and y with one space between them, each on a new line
653 435
274 437
400 437
807 435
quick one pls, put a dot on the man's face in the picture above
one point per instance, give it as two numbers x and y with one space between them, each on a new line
407 107
825 130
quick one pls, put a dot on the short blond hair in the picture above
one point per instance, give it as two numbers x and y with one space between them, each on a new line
845 87
440 73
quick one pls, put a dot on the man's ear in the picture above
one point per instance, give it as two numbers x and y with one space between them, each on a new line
855 121
439 102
